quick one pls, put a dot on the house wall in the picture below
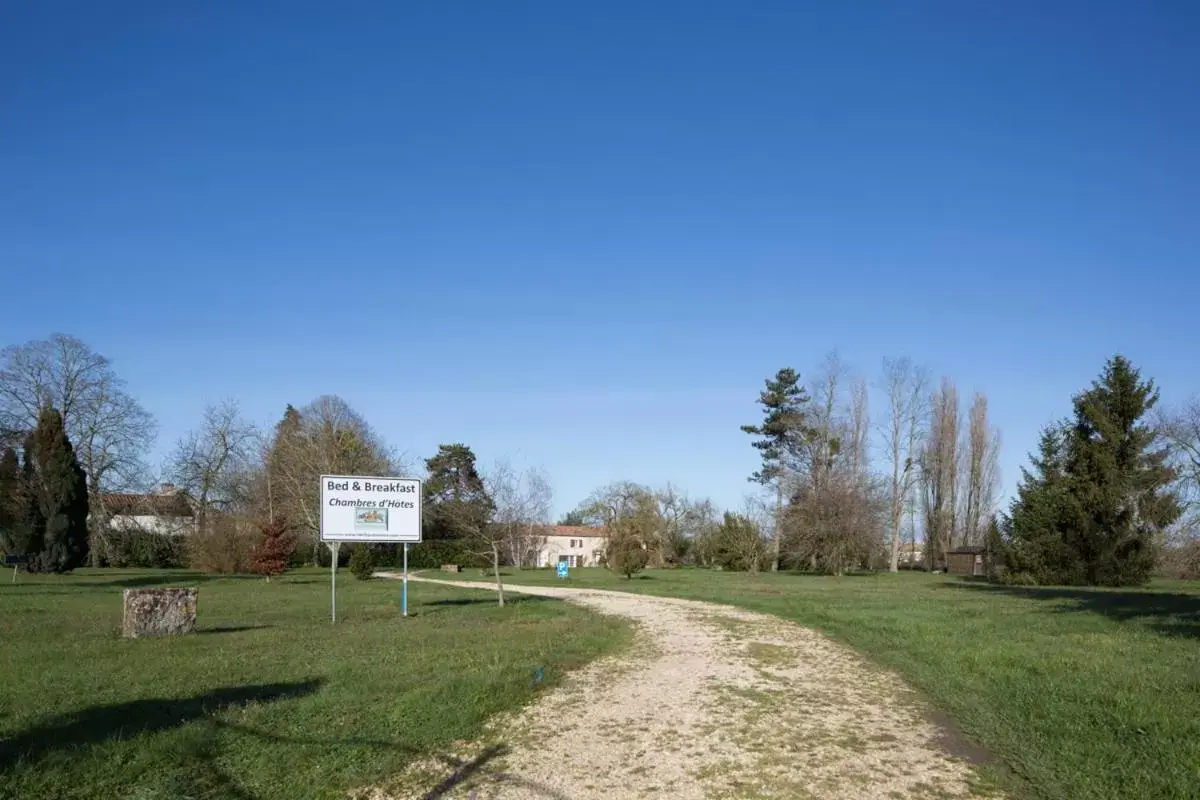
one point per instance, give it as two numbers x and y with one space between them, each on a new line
587 550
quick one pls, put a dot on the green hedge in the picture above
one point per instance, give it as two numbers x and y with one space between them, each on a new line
142 549
433 553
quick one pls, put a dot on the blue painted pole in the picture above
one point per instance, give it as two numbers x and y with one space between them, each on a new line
404 588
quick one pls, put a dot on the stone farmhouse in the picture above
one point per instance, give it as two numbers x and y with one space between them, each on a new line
167 510
577 545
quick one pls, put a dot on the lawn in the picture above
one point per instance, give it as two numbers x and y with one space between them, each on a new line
268 699
1075 693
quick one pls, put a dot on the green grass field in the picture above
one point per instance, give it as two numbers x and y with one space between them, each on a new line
1077 693
268 700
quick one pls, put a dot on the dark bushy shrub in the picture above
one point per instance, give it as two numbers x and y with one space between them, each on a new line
362 562
343 555
626 555
144 549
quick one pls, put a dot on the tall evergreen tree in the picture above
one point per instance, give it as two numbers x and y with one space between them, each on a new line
457 503
783 429
10 495
62 495
1099 500
1036 545
284 444
1120 480
29 525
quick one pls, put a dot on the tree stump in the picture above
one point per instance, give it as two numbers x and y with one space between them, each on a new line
159 612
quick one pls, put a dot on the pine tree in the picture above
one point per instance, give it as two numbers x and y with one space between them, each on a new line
457 504
62 495
781 432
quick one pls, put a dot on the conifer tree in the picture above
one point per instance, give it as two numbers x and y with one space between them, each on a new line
1099 500
29 526
1120 479
274 548
61 487
457 504
10 497
783 429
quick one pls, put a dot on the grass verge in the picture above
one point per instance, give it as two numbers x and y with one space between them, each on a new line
268 700
1077 693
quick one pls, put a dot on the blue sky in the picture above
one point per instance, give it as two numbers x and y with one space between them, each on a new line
580 235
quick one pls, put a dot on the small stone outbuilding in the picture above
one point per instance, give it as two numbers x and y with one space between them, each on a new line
976 561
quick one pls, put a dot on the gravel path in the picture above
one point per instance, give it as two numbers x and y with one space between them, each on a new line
710 702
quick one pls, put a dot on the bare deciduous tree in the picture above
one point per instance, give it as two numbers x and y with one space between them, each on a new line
521 517
980 471
110 430
1180 427
213 462
833 518
939 474
905 386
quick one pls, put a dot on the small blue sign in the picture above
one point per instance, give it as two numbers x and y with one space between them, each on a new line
562 569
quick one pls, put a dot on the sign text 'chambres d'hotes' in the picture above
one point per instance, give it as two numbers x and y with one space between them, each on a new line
364 508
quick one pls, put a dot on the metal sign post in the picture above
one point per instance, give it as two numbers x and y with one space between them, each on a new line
333 559
16 561
404 587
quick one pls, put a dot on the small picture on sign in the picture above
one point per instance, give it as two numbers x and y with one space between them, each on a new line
370 519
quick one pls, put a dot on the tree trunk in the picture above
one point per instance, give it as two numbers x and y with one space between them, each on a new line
496 569
778 527
897 514
894 564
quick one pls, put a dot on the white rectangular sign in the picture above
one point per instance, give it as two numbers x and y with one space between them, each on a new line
363 508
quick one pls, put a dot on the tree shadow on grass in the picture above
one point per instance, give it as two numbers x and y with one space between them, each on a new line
1168 613
229 629
475 770
87 584
509 599
93 726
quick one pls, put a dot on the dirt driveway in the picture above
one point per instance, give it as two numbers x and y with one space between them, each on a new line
710 702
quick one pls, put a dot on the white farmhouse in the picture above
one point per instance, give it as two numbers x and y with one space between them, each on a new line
577 545
167 511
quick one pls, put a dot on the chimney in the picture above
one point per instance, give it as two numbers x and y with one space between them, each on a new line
167 488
